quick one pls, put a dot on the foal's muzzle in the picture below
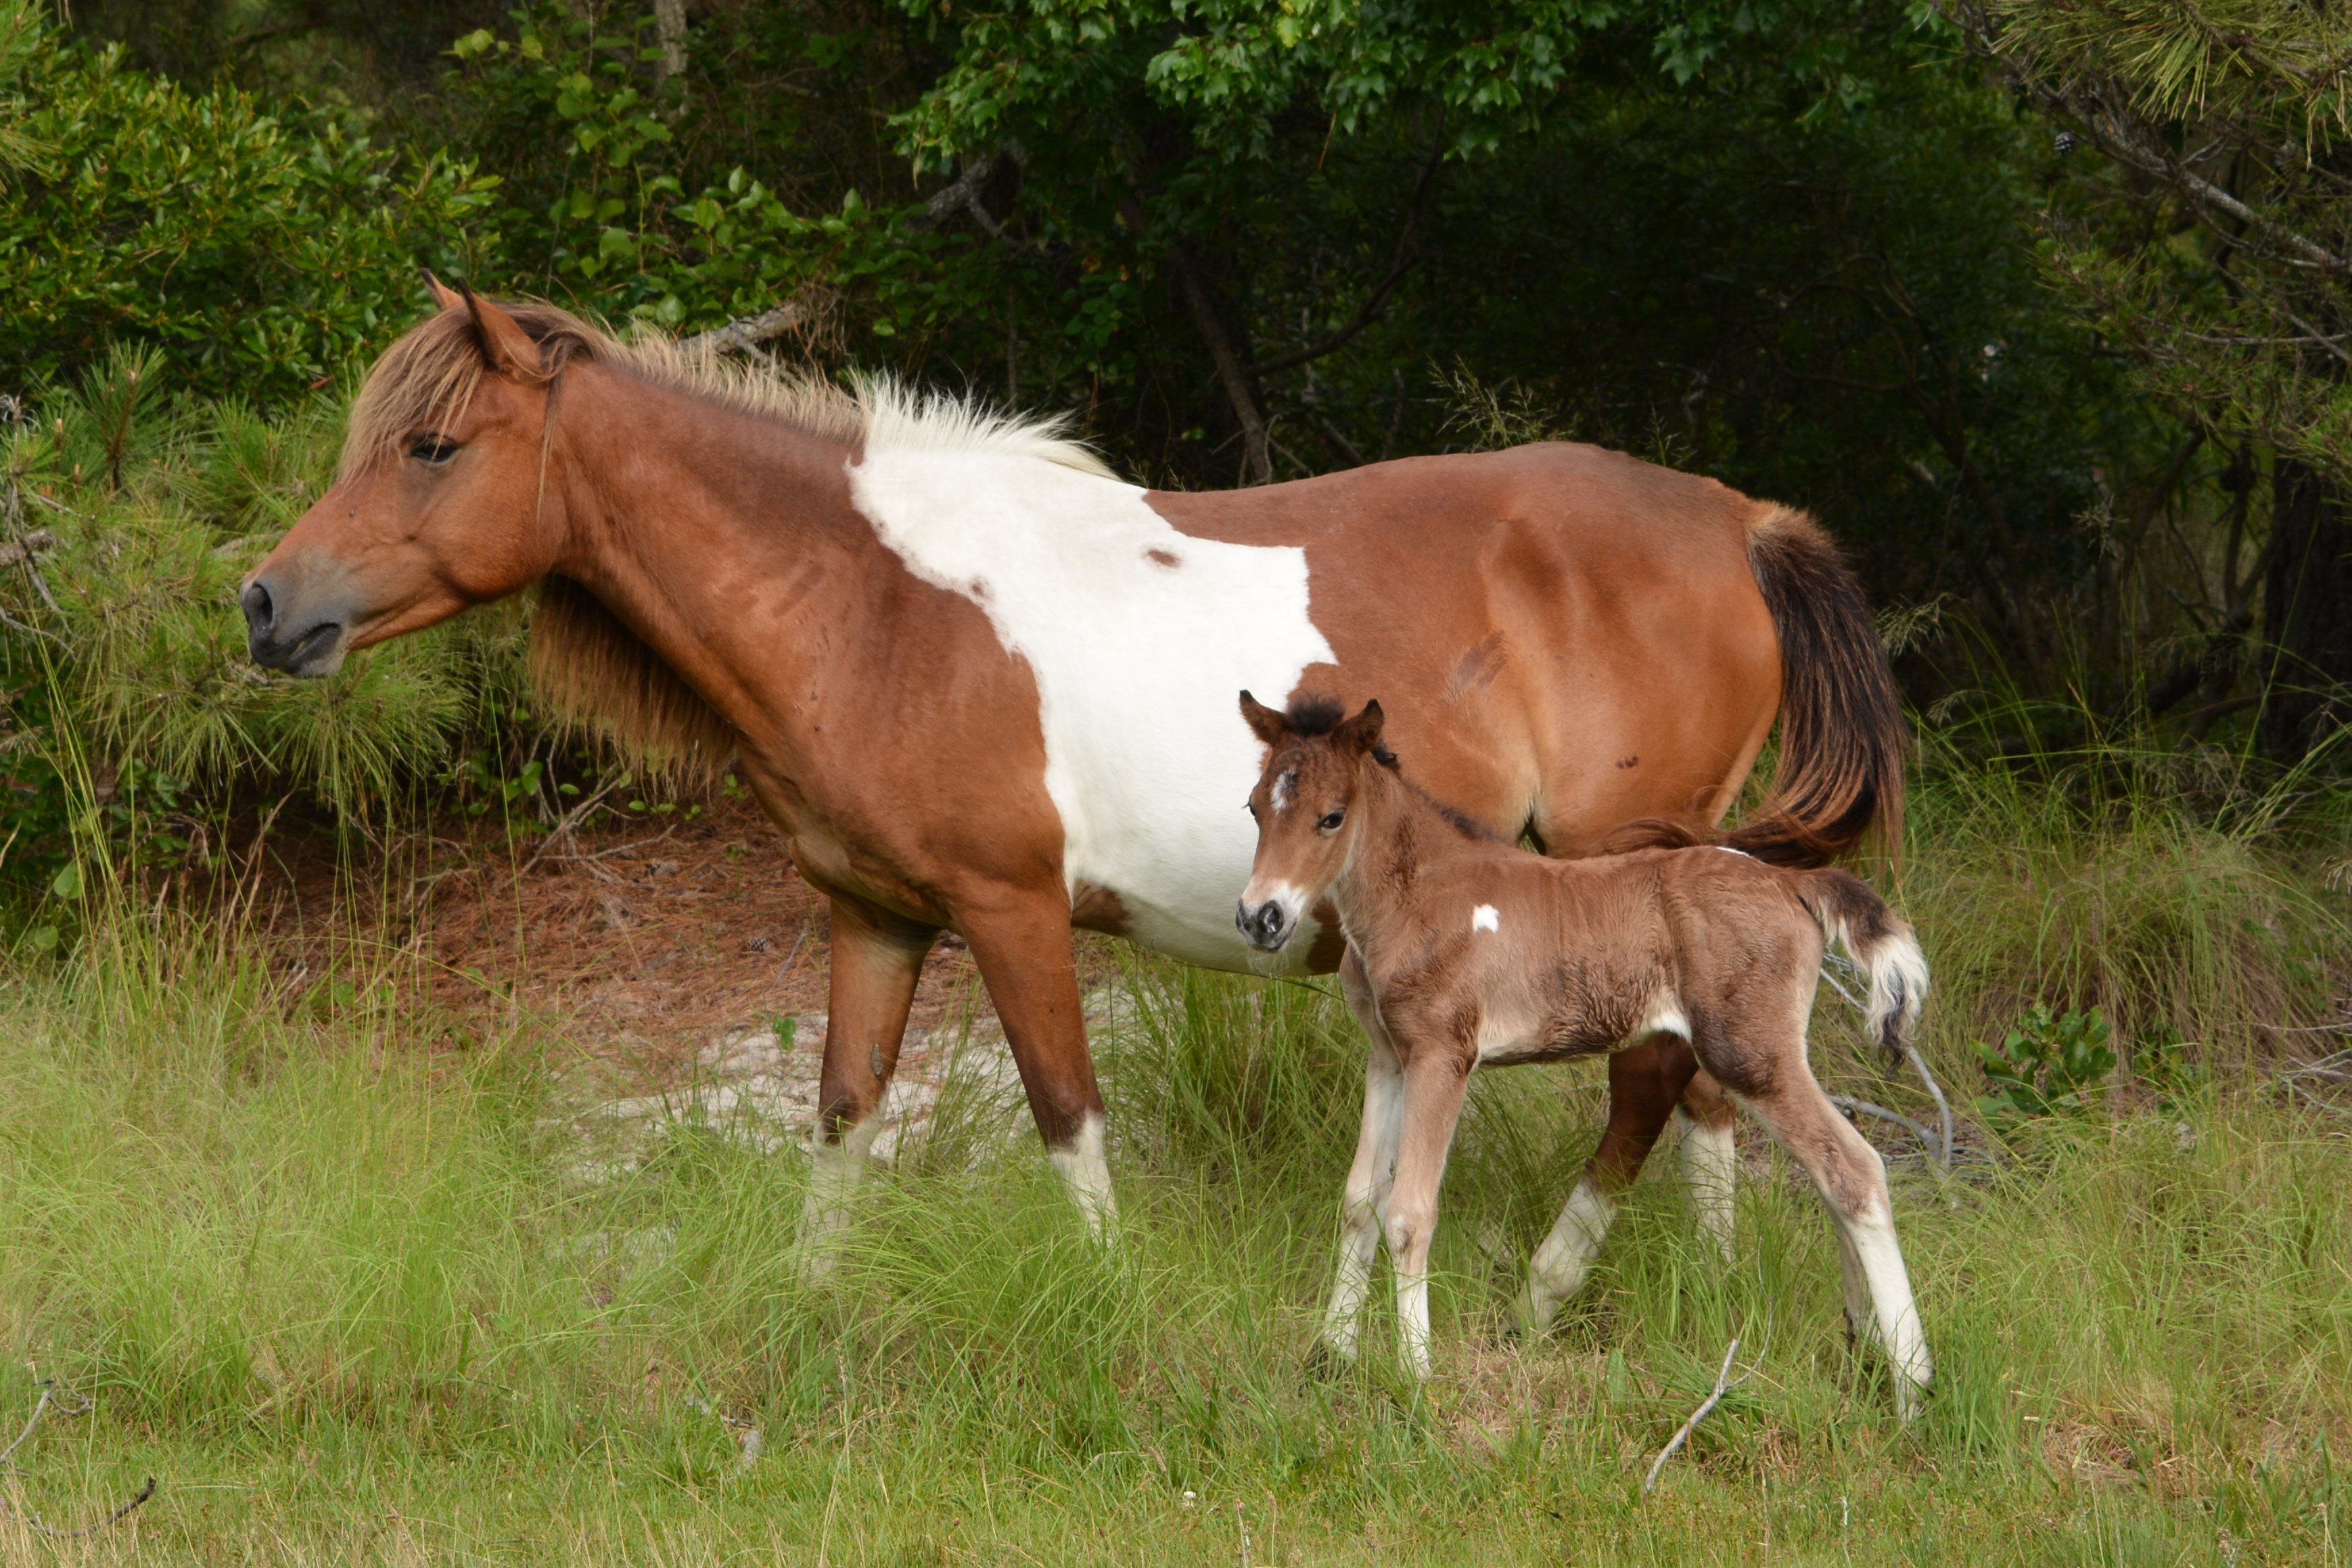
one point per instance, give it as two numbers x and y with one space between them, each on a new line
298 645
1267 926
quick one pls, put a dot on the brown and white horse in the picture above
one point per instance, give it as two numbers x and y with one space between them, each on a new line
1463 953
981 684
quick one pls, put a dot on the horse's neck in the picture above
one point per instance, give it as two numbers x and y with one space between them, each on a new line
682 515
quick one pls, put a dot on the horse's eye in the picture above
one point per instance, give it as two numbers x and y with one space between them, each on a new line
435 449
1331 820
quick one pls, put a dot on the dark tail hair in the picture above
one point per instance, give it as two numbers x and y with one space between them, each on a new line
1840 779
1855 917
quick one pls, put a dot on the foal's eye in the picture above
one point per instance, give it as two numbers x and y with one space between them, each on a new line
435 449
1331 820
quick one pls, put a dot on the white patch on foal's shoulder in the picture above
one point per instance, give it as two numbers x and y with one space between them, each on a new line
1135 663
1485 917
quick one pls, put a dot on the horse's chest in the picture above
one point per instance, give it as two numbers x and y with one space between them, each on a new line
1139 638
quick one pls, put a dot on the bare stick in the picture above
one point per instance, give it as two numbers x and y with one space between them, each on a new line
40 1409
571 820
751 331
1722 1384
1943 1106
81 1405
1846 1103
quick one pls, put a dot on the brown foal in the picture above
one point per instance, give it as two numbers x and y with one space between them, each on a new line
1464 952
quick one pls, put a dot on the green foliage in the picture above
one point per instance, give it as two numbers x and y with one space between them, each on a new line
263 250
2046 1066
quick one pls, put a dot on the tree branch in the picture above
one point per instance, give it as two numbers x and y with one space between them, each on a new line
1231 372
1403 262
749 331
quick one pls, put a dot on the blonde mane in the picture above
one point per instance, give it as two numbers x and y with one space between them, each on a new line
591 671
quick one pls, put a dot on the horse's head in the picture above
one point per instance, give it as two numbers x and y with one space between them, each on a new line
439 502
1314 770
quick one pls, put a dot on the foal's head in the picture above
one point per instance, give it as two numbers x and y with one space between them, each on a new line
1305 826
439 503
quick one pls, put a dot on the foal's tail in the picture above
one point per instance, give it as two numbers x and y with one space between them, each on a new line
1840 779
1876 938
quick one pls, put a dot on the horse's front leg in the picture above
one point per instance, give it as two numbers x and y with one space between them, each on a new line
1369 1178
1022 943
877 957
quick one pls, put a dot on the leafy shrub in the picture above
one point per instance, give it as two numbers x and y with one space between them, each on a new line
2046 1065
263 252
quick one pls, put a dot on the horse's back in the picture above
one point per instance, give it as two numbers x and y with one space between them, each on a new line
1565 636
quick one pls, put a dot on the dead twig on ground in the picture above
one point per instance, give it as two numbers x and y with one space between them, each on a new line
1724 1384
81 1405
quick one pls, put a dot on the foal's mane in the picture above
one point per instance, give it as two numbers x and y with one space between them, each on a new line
1312 717
589 668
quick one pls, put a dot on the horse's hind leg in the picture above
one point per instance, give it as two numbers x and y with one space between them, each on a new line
1645 1082
1369 1178
1852 1177
876 959
1710 1158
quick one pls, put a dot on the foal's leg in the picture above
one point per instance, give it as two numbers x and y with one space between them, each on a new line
1021 942
1710 1158
1645 1082
1436 1079
1369 1177
1852 1177
876 959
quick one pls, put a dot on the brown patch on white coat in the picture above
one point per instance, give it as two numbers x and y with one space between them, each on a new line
1464 952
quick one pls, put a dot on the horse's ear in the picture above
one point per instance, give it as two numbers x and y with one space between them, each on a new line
1266 723
511 350
448 298
1364 730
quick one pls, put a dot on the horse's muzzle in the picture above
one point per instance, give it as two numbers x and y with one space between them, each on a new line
1266 927
308 647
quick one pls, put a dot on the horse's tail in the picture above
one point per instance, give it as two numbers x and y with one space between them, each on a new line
1840 778
1877 940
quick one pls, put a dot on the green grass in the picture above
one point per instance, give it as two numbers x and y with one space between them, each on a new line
350 1302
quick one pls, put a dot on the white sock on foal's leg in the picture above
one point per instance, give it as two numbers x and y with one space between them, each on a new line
1088 1176
1565 1254
1895 1313
1711 1169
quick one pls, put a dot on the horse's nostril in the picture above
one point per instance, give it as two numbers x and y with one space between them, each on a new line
257 606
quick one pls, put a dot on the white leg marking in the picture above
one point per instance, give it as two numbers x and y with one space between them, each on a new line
835 1170
1897 1315
1560 1262
1409 1239
1711 1167
1088 1176
1486 918
1367 1200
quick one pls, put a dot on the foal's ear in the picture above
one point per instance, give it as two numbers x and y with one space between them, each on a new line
448 298
511 351
1362 731
1266 723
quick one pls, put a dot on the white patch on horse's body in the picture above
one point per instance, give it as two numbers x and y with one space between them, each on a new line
1281 791
1088 1176
1664 1017
1485 917
1146 759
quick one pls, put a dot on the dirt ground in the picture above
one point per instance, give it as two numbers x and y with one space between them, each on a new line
637 945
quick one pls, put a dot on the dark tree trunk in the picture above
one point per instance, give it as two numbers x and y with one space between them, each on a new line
2308 612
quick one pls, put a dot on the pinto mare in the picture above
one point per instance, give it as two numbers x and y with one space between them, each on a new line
981 684
1464 953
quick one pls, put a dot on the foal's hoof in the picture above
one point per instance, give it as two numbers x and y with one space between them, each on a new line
1326 1363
